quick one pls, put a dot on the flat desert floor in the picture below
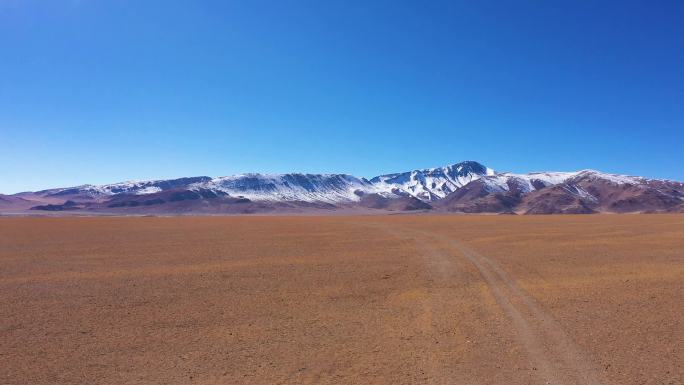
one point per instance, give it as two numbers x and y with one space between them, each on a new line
343 300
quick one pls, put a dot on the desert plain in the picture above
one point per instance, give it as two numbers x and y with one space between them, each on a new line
402 299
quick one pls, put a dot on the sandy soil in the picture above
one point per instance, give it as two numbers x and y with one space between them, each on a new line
343 300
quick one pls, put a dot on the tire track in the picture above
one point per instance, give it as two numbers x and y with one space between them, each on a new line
550 350
442 269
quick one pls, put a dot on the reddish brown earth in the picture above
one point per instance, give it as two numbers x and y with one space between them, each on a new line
343 300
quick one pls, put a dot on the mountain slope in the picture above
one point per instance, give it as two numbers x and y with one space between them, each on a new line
433 183
585 191
331 188
13 202
131 187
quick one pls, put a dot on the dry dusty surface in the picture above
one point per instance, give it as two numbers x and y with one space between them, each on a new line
343 300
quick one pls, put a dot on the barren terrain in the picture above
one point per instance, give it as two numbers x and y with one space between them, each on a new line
343 300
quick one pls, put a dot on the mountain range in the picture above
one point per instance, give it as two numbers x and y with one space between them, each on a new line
465 187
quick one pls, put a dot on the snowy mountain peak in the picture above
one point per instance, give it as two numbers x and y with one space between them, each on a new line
432 183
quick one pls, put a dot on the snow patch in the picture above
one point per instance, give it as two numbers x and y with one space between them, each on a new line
331 188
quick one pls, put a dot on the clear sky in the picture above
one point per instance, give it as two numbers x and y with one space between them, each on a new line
105 91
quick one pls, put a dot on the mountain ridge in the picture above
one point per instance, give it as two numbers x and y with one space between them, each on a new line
464 187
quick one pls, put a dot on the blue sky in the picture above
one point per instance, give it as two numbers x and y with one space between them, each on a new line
104 91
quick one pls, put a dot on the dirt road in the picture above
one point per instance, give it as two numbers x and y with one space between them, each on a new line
553 356
342 300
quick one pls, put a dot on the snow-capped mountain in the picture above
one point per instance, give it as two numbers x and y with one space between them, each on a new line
262 187
432 183
462 187
329 188
584 191
130 187
537 180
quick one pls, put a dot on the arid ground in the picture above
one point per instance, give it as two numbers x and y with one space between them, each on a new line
466 300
